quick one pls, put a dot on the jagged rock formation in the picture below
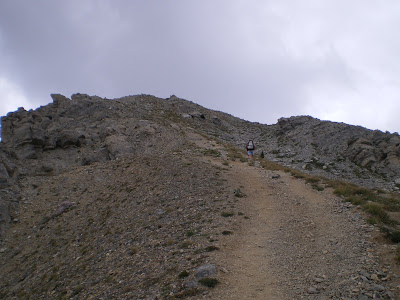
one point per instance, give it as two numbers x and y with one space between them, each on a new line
361 155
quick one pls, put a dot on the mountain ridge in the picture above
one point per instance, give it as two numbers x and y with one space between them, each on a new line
90 165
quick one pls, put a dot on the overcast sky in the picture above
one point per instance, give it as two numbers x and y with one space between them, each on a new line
259 60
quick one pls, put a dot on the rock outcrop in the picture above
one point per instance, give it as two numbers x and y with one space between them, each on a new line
341 148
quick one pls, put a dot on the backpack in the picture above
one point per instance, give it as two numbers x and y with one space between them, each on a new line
250 145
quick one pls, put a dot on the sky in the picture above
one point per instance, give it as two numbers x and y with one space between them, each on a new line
259 60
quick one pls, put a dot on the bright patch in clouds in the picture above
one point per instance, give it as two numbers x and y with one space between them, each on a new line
11 97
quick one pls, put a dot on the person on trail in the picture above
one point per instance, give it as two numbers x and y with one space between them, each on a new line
250 149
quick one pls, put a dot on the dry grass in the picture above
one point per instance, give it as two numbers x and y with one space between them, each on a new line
376 203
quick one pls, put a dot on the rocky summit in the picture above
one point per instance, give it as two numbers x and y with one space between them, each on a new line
131 198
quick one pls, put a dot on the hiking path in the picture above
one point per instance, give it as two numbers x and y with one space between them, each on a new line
295 242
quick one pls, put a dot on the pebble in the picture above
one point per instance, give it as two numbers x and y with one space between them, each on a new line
318 280
375 277
376 287
312 290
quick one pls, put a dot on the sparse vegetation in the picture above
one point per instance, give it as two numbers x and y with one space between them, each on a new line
238 193
226 214
211 248
317 187
376 210
189 233
183 274
209 282
233 152
374 202
270 165
212 152
227 232
312 179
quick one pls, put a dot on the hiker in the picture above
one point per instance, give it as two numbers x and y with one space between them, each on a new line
250 149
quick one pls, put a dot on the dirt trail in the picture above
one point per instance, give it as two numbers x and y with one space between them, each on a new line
298 243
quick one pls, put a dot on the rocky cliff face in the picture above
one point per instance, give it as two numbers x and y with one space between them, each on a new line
364 156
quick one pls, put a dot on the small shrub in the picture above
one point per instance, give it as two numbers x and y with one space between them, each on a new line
317 187
53 243
186 244
395 236
297 174
209 282
133 251
378 212
312 180
355 200
238 193
212 152
390 204
269 165
183 274
227 232
227 214
211 248
189 233
262 154
84 249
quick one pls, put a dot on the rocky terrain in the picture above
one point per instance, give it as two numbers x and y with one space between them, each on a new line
132 198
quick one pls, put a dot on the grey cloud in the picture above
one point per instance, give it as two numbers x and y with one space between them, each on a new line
255 59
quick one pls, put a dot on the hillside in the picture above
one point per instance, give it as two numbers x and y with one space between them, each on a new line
132 198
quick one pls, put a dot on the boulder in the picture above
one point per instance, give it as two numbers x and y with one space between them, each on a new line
208 270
